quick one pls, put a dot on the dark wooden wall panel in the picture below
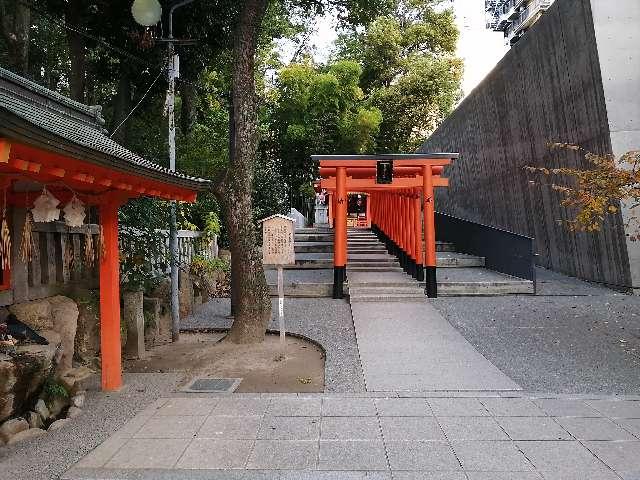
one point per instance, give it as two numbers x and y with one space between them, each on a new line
548 88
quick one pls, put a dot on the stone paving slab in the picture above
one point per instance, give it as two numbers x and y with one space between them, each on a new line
380 438
411 347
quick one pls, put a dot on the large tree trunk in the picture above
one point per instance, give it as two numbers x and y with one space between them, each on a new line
77 53
252 305
15 21
121 107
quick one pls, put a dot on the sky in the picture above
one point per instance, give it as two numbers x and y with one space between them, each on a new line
480 48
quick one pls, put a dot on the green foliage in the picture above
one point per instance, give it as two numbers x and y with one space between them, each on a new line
143 249
201 266
316 109
409 72
53 389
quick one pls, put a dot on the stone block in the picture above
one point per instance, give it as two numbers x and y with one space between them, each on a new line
11 427
186 294
133 318
87 342
65 313
152 311
26 435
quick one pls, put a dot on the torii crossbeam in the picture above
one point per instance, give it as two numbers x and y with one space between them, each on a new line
401 207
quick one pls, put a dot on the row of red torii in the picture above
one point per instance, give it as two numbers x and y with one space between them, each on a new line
400 190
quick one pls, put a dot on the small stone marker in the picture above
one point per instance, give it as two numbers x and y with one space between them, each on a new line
278 249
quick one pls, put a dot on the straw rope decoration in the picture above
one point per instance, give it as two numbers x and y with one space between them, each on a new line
27 244
5 236
89 251
103 248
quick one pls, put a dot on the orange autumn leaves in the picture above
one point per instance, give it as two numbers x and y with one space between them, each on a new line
592 193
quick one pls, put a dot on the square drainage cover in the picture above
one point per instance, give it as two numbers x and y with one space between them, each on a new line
212 385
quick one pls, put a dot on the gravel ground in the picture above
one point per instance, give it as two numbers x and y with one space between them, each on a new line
323 320
49 456
573 337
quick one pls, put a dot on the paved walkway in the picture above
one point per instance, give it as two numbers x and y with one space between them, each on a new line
440 436
409 346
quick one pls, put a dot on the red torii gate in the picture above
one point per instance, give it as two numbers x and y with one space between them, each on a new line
401 211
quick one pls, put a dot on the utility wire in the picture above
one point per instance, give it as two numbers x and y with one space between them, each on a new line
137 104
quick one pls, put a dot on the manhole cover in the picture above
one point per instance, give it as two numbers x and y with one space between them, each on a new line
212 385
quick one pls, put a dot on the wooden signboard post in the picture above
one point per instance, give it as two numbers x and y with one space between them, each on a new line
278 249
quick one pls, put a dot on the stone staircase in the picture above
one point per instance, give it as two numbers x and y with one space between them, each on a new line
372 273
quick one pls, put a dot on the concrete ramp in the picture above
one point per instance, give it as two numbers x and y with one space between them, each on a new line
409 346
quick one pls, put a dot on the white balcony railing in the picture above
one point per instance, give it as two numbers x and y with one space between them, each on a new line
531 13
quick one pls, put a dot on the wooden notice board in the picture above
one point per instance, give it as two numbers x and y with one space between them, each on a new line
277 241
278 249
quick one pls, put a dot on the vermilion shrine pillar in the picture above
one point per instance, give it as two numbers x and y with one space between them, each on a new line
340 234
110 296
431 286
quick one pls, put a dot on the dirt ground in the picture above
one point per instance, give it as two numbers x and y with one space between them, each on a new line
260 366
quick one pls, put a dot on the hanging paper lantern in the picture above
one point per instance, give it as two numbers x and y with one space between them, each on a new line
74 213
45 207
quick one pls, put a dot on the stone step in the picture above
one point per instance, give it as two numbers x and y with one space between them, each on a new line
386 290
313 237
376 263
369 268
313 247
313 231
399 297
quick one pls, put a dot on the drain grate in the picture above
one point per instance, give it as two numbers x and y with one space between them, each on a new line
212 385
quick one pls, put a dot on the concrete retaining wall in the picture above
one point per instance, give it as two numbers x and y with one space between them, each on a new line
548 88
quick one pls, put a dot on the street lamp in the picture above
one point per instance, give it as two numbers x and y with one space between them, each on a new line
147 13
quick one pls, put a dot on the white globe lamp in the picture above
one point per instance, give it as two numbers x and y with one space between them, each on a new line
146 12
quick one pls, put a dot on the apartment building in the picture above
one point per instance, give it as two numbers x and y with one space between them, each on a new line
514 17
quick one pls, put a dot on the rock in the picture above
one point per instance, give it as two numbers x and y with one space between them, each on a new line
26 435
65 320
7 374
74 412
133 318
58 424
7 401
42 410
34 420
78 401
22 377
87 342
78 379
185 294
152 309
11 427
52 336
57 405
224 254
36 314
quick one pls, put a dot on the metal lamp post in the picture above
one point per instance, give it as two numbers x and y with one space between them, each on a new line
147 13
